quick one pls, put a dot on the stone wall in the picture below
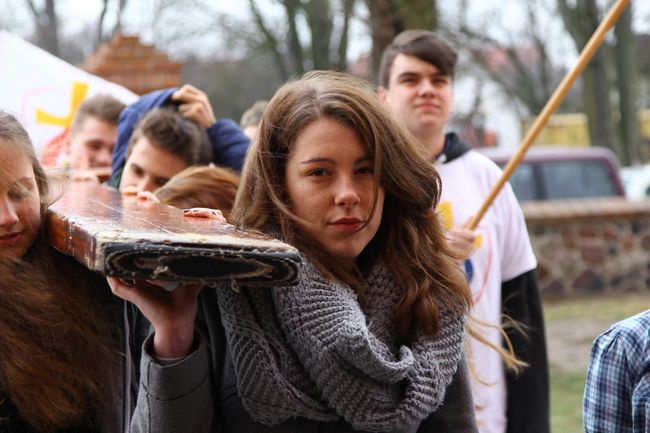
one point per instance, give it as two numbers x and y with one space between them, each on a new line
584 247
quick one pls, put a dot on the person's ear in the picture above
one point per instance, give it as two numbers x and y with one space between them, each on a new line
381 93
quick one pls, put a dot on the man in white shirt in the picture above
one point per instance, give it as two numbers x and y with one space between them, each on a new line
416 83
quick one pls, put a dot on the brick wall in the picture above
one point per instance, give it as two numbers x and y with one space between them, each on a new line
138 67
588 247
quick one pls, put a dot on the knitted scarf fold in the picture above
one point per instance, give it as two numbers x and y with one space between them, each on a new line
312 351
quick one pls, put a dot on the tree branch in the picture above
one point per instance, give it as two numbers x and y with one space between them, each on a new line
270 38
348 7
100 23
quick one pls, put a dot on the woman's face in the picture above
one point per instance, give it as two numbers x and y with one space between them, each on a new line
330 180
20 203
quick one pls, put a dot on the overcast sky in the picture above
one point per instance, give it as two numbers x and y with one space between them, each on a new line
79 14
76 14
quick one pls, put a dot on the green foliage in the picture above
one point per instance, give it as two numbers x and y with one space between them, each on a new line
566 402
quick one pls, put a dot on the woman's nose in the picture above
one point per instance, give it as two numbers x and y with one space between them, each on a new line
346 194
8 216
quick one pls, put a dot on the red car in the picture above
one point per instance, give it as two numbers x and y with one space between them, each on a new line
556 173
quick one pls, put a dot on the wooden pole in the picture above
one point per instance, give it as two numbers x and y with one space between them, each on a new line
553 103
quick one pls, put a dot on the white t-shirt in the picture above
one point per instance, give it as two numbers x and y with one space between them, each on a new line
503 252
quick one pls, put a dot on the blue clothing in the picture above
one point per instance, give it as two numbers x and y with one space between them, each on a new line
617 392
229 143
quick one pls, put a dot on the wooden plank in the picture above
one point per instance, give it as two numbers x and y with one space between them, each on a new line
132 239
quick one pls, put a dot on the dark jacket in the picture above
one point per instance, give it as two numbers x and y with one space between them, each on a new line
229 144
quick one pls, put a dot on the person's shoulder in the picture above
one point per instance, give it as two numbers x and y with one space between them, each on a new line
480 168
629 339
637 326
479 161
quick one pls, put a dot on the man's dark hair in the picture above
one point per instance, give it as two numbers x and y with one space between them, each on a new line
101 106
424 45
167 129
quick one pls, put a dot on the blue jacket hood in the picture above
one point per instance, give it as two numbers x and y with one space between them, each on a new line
130 116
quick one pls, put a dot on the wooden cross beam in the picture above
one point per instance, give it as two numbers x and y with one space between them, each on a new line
129 238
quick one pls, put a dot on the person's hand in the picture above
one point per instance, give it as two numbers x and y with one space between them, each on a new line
194 105
461 239
171 313
204 212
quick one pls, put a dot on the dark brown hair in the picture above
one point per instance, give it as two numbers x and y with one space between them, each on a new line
101 106
410 240
58 354
201 186
424 45
167 129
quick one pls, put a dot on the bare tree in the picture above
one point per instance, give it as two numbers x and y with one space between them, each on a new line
628 86
319 18
581 18
318 48
518 64
272 42
348 8
387 18
46 24
121 4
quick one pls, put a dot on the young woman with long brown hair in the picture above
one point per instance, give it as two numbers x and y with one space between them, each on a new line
58 354
370 339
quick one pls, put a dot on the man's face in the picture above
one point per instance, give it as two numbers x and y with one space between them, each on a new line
419 95
92 144
149 167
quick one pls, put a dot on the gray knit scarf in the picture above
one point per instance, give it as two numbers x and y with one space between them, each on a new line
312 351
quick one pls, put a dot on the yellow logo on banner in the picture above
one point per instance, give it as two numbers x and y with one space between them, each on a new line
447 215
78 94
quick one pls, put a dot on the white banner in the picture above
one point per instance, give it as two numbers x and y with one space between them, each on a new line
43 91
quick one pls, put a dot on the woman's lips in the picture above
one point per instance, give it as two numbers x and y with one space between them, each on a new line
348 225
10 239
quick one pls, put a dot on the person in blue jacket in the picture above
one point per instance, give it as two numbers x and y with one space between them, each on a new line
229 143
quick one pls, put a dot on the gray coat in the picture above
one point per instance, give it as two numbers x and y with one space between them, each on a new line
199 393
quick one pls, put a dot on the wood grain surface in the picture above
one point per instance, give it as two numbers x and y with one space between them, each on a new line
126 237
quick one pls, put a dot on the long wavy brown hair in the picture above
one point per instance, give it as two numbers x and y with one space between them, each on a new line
58 347
410 239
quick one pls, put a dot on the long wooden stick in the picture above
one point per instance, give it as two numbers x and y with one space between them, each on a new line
553 103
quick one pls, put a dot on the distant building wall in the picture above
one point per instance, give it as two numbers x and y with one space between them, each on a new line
138 67
562 130
572 130
585 247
